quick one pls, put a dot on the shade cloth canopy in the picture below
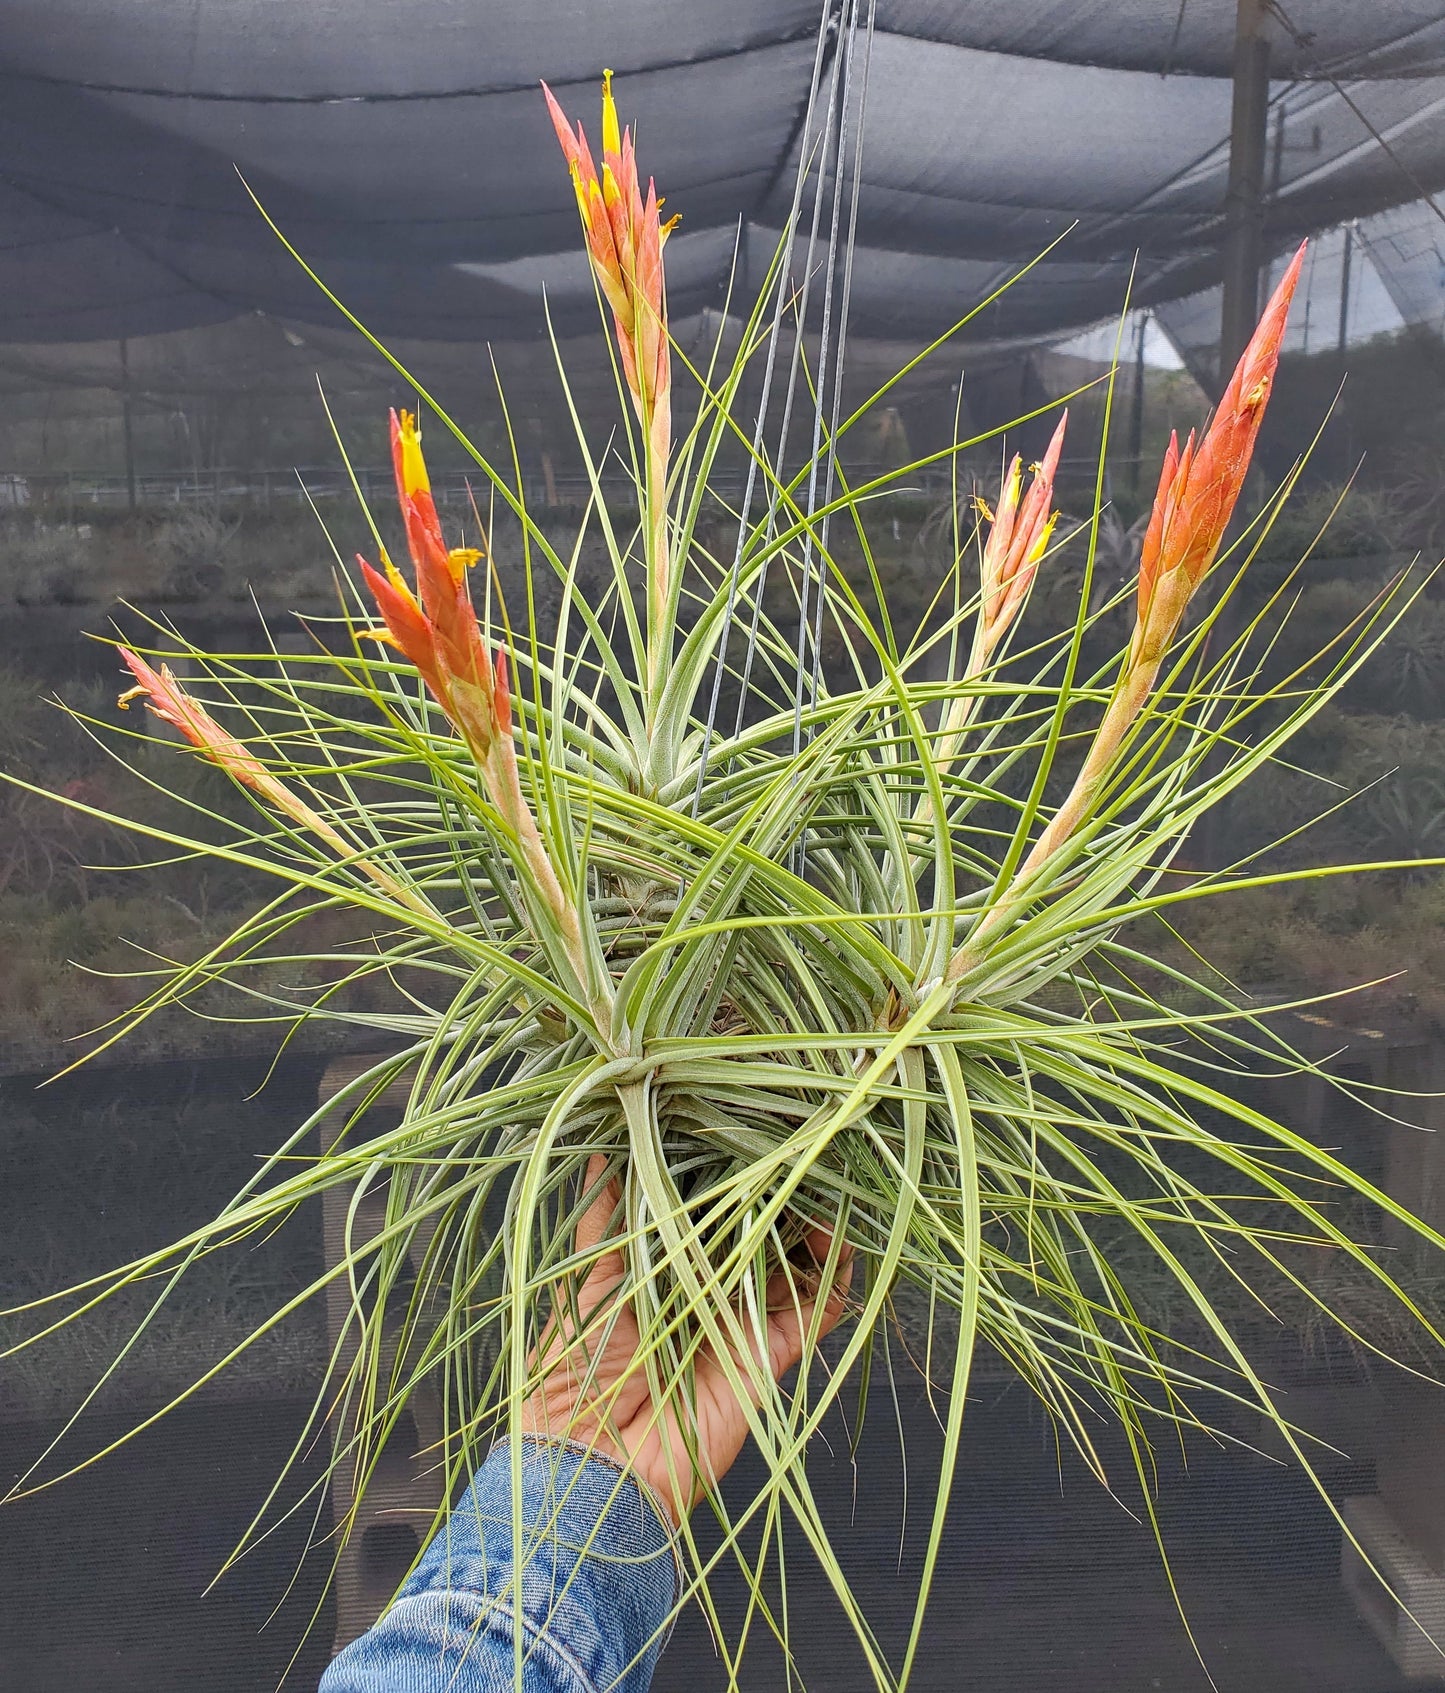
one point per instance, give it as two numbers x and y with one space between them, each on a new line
403 146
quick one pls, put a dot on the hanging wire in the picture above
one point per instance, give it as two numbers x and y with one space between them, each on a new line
830 151
820 385
828 390
813 158
849 248
826 32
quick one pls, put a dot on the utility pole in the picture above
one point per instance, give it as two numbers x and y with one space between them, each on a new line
1244 201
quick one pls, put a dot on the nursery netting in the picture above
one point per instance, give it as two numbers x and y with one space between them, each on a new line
405 150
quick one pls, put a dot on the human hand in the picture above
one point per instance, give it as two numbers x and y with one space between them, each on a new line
595 1389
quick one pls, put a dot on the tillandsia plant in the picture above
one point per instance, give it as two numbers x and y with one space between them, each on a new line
858 987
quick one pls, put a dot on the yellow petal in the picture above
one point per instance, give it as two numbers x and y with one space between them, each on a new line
460 560
611 193
413 466
399 582
1041 545
611 134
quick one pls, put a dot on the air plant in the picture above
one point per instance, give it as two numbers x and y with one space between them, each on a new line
874 965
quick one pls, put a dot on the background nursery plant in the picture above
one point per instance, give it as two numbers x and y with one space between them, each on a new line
795 926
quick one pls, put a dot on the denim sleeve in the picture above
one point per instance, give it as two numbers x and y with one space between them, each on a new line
597 1589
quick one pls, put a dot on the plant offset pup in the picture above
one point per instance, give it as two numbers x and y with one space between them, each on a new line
862 975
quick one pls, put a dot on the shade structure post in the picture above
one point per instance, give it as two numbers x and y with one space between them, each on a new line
1243 256
1244 198
1346 255
1136 405
126 425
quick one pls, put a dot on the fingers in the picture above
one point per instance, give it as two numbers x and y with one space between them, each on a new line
597 1219
819 1240
793 1302
568 1355
818 1243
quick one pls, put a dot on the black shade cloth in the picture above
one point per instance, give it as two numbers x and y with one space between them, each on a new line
405 149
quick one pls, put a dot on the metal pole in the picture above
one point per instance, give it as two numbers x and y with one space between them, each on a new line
1345 258
1244 202
125 423
1136 406
1276 165
1243 256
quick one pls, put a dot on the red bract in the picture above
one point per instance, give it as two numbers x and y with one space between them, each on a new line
169 701
1017 540
1198 486
625 237
436 627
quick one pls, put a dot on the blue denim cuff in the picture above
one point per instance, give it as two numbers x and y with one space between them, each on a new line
599 1583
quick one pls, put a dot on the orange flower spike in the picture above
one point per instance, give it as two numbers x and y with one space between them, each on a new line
1018 539
1200 486
445 602
172 704
435 627
1034 528
602 245
424 538
407 628
169 701
625 237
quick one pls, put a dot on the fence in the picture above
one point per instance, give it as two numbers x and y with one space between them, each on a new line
72 493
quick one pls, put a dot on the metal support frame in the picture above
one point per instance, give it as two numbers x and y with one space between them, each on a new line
1346 255
1244 199
1136 405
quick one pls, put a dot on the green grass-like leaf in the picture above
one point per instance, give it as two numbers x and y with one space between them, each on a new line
773 906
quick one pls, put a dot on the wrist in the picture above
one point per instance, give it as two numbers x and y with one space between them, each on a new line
598 1448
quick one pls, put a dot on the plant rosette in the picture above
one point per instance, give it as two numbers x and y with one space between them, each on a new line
866 969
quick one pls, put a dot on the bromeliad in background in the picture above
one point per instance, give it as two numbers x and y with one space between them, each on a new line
868 969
